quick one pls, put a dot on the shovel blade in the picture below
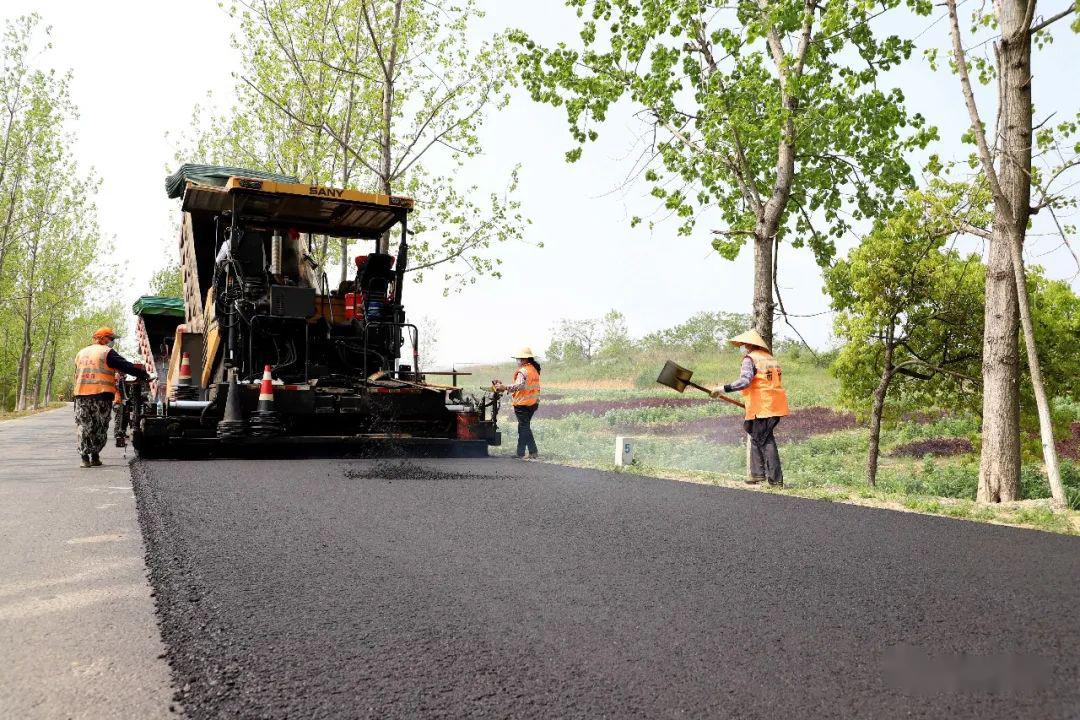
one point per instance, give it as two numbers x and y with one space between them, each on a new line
674 376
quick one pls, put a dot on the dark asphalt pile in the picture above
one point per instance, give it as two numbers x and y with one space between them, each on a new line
493 588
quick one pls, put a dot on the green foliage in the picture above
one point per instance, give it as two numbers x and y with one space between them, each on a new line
382 95
726 107
574 340
910 308
167 282
615 337
1055 313
700 333
51 274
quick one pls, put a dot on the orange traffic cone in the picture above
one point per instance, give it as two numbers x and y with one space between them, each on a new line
264 422
184 390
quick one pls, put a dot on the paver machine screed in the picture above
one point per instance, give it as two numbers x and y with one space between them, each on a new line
257 302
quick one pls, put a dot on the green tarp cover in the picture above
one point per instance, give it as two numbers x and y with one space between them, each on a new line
215 175
157 305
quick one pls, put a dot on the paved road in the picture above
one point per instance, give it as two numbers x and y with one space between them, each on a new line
507 589
77 629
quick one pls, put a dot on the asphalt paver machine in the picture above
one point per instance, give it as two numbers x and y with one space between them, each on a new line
270 358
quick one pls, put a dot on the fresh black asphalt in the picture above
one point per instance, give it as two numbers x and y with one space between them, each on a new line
495 588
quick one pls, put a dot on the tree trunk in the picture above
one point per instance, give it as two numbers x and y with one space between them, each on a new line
763 286
1015 128
999 471
41 362
24 356
51 375
999 476
1042 403
344 260
876 412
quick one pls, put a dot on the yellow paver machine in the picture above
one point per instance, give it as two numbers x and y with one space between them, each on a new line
269 358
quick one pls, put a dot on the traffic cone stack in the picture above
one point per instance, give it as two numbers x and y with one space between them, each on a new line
184 389
265 422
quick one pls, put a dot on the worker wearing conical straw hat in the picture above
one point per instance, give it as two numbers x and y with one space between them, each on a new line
761 384
525 391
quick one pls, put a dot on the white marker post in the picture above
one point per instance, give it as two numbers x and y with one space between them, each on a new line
624 451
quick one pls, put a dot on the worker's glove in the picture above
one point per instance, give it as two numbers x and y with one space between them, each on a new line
717 393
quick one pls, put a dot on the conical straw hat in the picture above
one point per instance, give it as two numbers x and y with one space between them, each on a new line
750 337
525 352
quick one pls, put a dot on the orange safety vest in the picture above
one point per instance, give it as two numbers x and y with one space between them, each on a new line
92 375
765 397
530 394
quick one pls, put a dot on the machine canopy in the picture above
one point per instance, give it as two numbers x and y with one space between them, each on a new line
215 175
306 208
159 305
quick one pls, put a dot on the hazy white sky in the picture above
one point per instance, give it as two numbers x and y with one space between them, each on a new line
140 67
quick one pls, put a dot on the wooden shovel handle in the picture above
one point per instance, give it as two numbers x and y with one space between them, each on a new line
728 400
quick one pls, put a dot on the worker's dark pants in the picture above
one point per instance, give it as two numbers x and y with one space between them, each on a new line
764 457
525 436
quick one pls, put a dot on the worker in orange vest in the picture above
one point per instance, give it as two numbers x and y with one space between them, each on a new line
760 382
96 376
525 392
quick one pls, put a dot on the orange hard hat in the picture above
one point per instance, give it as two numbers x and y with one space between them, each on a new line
104 332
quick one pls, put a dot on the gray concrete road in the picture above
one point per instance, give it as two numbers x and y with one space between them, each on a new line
78 637
338 589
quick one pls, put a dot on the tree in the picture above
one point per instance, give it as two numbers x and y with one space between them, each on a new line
574 340
907 309
614 334
49 237
761 112
1007 166
167 282
379 94
701 332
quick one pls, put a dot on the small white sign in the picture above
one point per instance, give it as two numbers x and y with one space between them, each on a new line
624 451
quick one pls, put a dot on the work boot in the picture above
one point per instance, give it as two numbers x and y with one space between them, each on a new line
85 461
755 480
95 461
779 484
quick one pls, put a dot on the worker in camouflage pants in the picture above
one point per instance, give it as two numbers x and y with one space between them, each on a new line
97 370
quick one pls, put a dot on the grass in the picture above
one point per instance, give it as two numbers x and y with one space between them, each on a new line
12 415
829 466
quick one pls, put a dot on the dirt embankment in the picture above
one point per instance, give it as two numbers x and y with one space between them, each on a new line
599 407
938 447
799 425
1070 447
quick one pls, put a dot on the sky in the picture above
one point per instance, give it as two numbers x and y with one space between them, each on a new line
140 69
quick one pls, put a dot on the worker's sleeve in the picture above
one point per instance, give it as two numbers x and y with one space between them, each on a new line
745 376
519 382
117 362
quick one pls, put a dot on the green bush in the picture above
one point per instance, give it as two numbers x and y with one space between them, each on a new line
943 480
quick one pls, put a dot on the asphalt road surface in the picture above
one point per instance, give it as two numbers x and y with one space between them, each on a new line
497 588
77 631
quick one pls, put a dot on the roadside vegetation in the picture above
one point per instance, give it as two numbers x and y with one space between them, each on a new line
55 286
929 452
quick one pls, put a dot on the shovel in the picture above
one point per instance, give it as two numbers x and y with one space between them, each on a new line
677 378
